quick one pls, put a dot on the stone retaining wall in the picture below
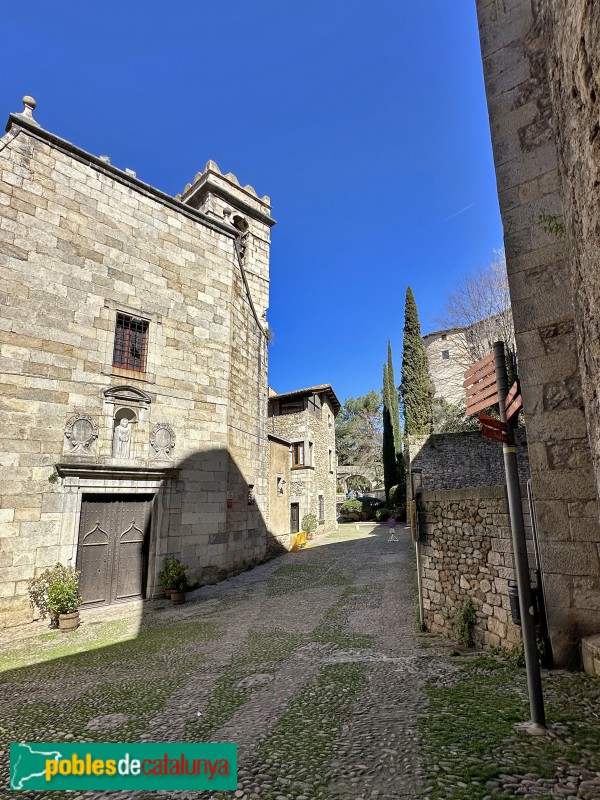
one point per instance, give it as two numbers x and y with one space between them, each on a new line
455 460
466 553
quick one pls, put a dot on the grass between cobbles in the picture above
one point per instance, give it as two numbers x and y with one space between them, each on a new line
293 758
469 736
111 643
145 670
261 653
298 577
264 653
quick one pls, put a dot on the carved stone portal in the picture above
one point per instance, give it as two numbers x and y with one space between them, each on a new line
82 432
162 440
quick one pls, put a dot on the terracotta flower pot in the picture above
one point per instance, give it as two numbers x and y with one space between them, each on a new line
68 622
177 597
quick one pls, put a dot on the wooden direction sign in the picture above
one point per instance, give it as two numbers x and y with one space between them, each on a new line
513 401
480 384
493 428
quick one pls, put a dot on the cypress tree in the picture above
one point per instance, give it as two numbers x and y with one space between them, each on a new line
389 452
417 388
399 477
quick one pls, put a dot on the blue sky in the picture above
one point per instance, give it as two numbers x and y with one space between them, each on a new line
365 122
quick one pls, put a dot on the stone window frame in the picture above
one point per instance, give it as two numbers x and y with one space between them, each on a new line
154 338
330 461
321 508
445 355
129 330
307 448
280 484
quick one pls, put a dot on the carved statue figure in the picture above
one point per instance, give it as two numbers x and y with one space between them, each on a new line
122 439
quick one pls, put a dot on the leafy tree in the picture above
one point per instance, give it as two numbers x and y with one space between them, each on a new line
358 431
417 389
479 304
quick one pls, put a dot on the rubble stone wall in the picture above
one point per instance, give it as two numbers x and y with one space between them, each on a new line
456 460
466 554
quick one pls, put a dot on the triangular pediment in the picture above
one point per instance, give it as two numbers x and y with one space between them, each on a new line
127 394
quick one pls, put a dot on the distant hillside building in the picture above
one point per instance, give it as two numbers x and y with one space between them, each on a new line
306 420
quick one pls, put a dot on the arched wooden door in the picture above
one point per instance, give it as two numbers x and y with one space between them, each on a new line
114 538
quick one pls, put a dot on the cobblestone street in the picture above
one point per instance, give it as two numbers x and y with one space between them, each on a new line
311 663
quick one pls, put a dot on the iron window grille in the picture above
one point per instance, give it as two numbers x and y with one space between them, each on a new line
131 343
321 507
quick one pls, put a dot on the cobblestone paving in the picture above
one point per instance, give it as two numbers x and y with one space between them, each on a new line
313 665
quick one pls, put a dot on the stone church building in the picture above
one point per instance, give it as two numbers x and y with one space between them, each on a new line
133 360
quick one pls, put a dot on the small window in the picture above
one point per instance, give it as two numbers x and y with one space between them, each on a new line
330 460
321 508
329 420
298 454
280 484
444 337
310 454
131 343
445 355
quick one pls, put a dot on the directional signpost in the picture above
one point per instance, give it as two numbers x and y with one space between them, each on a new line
486 384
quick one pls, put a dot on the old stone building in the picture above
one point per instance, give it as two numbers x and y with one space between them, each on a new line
542 73
445 355
306 420
133 396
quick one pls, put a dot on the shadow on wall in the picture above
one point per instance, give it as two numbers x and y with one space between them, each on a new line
203 511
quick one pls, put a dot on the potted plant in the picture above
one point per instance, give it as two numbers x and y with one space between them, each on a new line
56 593
178 581
163 575
309 524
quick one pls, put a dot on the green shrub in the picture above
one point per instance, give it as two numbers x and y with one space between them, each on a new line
383 514
55 591
309 523
174 575
464 622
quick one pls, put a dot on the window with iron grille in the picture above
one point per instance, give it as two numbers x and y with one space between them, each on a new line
321 507
131 343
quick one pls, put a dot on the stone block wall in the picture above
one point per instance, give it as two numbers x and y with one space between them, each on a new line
466 553
79 242
540 63
455 460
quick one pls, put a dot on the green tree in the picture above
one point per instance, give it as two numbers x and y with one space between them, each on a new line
416 389
358 431
388 448
399 478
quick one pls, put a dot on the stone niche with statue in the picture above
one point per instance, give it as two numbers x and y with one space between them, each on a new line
126 411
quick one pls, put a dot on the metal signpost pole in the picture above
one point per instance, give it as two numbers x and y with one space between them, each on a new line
526 603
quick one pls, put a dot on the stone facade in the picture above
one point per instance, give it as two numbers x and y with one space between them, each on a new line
86 252
458 460
541 72
445 354
466 554
306 418
279 493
